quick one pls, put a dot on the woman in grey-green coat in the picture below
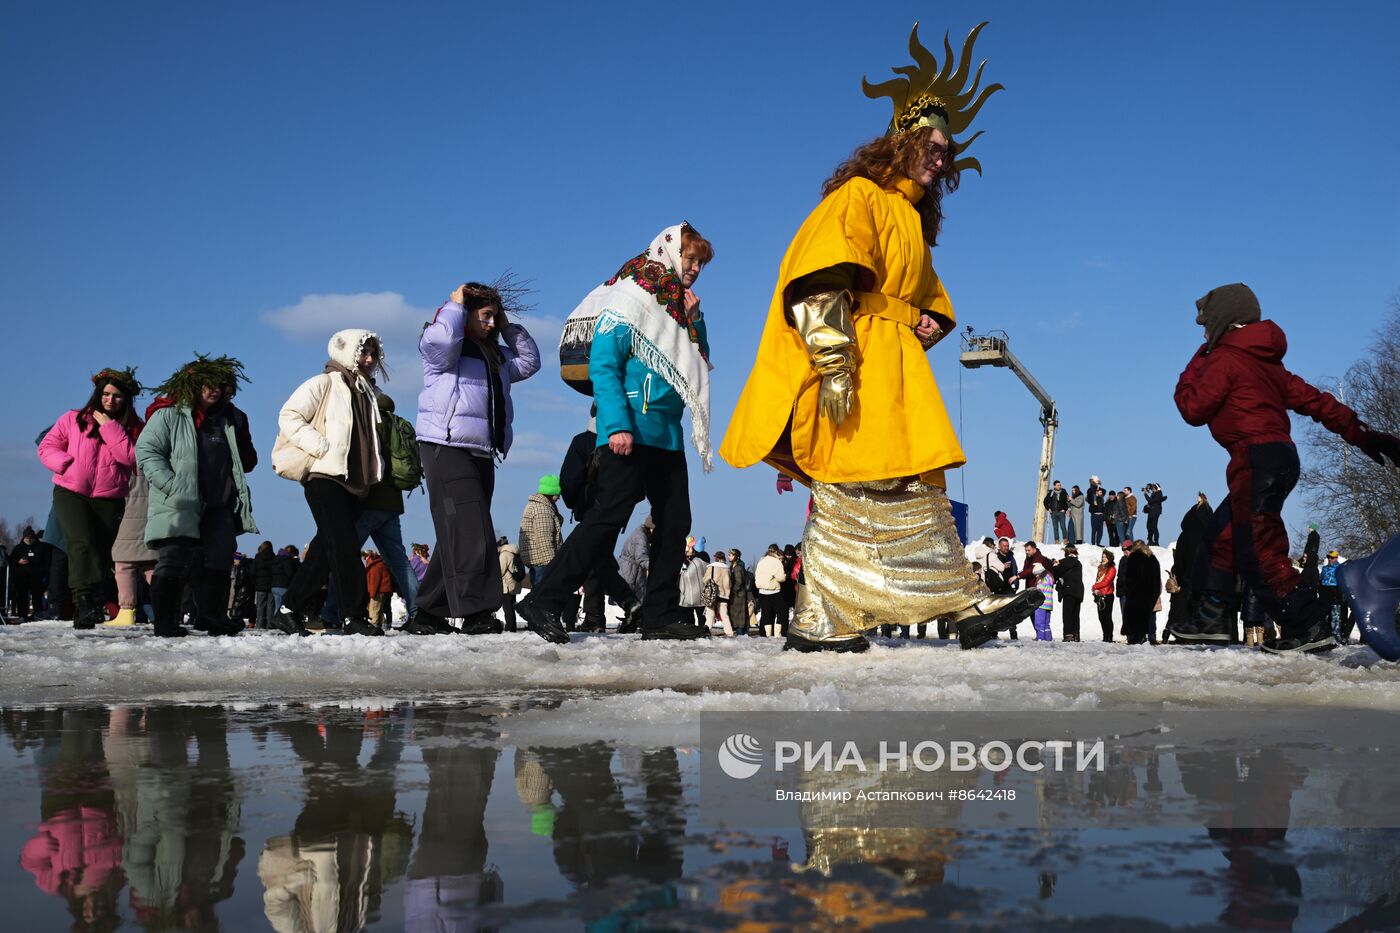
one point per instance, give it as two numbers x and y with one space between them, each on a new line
131 558
195 452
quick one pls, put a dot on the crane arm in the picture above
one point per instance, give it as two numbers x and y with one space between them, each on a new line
1041 396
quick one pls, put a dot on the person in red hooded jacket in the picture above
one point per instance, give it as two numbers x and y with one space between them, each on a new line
1236 385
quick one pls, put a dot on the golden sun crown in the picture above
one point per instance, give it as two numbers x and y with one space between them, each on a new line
930 96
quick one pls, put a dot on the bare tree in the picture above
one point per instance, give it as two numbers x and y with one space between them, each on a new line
9 534
1357 501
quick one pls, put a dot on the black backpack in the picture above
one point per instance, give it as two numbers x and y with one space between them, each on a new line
578 476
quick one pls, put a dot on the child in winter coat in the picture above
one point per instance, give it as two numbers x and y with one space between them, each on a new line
380 586
1046 584
1236 384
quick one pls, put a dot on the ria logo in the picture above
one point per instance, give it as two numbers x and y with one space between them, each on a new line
741 756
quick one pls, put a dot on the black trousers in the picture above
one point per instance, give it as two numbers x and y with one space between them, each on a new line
508 610
1105 605
772 611
1071 617
57 593
26 592
334 552
211 554
1153 535
659 476
1247 537
604 581
89 528
464 573
202 562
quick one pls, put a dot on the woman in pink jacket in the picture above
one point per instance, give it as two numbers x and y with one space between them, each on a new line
92 453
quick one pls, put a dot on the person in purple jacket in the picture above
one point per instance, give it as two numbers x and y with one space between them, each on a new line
464 426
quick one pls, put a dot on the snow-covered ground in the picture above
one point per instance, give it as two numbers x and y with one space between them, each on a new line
46 662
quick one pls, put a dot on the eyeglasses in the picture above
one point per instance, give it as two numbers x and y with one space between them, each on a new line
935 154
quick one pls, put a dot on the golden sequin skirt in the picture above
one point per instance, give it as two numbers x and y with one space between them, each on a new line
884 552
913 838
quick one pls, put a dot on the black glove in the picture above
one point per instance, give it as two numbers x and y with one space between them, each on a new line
1381 447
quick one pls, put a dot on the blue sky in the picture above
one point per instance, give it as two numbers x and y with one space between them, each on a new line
247 178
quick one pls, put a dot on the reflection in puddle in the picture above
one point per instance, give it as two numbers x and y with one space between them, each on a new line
445 817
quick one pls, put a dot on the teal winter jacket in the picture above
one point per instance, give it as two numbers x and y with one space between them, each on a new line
168 454
633 398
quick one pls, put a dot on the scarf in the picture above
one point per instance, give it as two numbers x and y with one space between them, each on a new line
359 462
648 297
198 414
490 355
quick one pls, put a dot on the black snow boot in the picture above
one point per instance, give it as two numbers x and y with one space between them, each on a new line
675 631
1314 640
166 595
361 625
88 611
211 599
287 621
980 623
423 622
1208 623
841 646
482 623
542 620
1305 625
631 618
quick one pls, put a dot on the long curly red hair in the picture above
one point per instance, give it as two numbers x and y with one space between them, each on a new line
886 159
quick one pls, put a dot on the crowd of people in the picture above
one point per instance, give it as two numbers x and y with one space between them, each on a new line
717 587
828 403
146 512
1111 511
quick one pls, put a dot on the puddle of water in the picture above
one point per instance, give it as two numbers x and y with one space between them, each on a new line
431 817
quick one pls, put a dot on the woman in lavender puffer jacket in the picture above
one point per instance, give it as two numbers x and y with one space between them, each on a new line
464 425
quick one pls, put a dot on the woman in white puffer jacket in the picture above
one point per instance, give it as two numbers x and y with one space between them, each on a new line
328 440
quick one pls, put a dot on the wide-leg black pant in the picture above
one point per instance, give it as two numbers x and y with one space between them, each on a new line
464 573
659 476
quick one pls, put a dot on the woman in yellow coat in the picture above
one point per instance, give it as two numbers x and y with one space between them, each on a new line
842 396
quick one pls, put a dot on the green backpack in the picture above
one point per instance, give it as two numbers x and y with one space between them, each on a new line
405 465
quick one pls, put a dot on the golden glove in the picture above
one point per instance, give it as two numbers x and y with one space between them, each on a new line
823 321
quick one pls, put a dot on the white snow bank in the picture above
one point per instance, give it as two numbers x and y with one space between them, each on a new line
46 662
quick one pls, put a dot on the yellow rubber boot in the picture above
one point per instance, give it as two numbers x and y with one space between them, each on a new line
124 617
